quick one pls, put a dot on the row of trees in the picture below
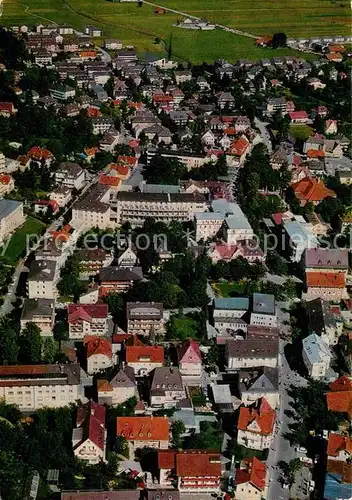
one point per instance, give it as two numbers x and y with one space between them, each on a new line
69 284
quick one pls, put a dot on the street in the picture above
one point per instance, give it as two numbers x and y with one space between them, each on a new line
264 133
281 449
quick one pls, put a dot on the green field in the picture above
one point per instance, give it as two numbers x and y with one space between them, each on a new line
301 131
17 246
139 26
227 289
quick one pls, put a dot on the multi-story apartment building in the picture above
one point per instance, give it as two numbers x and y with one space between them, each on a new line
165 207
330 286
167 387
259 383
256 425
93 210
98 353
144 317
11 217
208 224
62 93
144 432
31 387
62 195
236 225
42 279
41 312
70 175
191 160
263 310
251 354
316 356
250 480
228 313
89 435
326 260
87 319
118 279
93 260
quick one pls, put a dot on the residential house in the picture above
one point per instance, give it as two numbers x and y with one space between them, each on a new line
183 76
63 93
113 44
92 260
144 432
316 224
87 319
89 435
263 310
298 117
316 356
260 332
31 387
249 250
7 184
247 353
98 353
275 104
259 383
339 447
144 358
158 132
298 238
62 195
228 314
329 286
93 31
311 190
208 224
118 279
144 318
7 109
119 388
11 217
166 387
189 358
339 398
256 425
70 175
128 258
250 479
236 225
43 206
41 312
225 100
42 279
101 124
326 260
322 321
331 127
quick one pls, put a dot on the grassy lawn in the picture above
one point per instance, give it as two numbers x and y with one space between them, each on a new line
17 246
227 289
139 26
301 131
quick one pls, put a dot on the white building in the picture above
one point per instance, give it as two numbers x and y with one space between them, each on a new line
11 217
89 437
240 354
236 226
119 389
42 279
41 312
316 356
62 195
208 225
263 310
99 354
70 175
87 319
228 313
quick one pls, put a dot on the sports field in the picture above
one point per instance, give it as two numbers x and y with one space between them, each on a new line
139 26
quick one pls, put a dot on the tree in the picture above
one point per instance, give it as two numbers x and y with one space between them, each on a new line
178 428
30 344
61 331
164 170
121 446
9 346
49 350
116 305
275 263
279 40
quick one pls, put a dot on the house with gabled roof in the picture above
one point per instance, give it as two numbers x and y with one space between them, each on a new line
339 398
119 388
89 436
144 432
256 425
322 320
310 189
189 358
257 383
85 319
98 353
339 447
250 479
144 358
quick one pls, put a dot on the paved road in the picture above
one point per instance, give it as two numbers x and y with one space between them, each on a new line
105 56
281 448
185 14
264 133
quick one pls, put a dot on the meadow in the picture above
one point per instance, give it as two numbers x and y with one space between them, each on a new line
140 26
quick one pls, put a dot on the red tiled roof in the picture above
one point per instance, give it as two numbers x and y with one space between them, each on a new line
336 48
310 189
254 472
239 146
198 463
157 98
143 428
337 443
130 160
166 459
7 106
104 386
299 115
334 56
149 354
315 153
39 153
230 131
5 179
88 53
264 416
92 418
225 251
86 311
120 337
340 402
97 345
343 383
189 352
109 180
93 112
277 218
325 280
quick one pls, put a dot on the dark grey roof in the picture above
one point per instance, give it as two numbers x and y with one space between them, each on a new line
37 307
252 348
147 310
263 303
42 270
8 206
70 168
320 317
161 197
263 379
166 378
124 378
113 273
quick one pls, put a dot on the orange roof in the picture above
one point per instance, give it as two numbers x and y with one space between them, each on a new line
143 428
122 171
310 189
5 179
264 416
109 180
230 131
337 443
130 160
148 354
325 280
91 151
97 345
315 153
340 402
254 472
198 463
264 39
239 146
88 53
334 56
93 112
39 153
336 48
103 385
